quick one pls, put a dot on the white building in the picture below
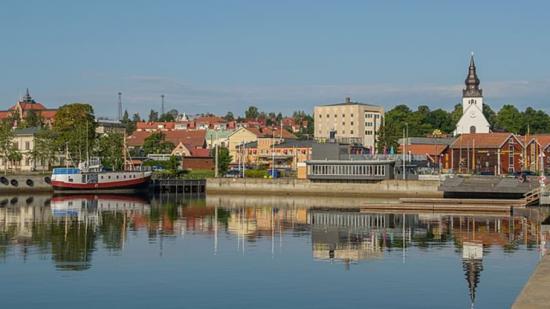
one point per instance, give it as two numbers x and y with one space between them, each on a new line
472 120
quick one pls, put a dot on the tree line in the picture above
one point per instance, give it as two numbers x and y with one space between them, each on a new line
439 122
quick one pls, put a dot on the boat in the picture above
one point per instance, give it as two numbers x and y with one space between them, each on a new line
90 176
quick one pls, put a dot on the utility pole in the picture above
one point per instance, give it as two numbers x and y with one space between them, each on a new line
403 151
162 104
120 106
216 170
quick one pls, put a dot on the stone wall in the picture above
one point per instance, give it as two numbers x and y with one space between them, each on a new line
290 186
24 183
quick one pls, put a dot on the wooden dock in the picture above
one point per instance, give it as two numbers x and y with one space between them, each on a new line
450 205
178 185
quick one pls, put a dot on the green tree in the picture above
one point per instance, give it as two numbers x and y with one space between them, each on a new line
535 122
110 148
224 159
6 142
156 143
74 126
251 113
153 116
456 114
229 116
490 115
509 119
167 118
441 119
46 146
33 119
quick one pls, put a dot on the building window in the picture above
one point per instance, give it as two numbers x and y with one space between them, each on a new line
351 115
27 145
352 123
335 116
328 116
343 115
343 123
351 132
320 116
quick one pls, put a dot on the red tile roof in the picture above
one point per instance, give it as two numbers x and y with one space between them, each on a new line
431 150
190 138
542 139
268 132
482 140
200 152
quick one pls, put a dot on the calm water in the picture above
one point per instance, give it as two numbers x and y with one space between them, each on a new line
237 252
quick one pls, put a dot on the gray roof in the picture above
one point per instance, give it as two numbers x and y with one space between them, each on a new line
428 140
287 143
352 103
26 131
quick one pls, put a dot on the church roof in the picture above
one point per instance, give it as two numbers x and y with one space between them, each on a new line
472 81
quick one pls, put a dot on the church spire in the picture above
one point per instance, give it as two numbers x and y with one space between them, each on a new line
472 81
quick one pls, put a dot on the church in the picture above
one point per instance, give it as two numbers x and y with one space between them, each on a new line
472 120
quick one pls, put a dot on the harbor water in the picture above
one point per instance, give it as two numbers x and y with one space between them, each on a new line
114 251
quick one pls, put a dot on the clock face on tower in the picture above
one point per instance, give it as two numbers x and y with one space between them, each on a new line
472 114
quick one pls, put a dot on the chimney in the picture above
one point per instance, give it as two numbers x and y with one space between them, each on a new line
348 100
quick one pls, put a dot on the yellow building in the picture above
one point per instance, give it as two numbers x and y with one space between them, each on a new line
352 122
238 138
23 141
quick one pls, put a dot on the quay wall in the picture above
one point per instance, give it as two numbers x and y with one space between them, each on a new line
290 186
22 183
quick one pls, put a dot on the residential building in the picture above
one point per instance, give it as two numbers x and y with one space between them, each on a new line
217 137
352 122
105 126
487 153
286 154
190 140
23 141
537 153
27 105
253 134
433 149
472 120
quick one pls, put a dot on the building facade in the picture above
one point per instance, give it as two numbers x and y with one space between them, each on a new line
472 120
27 105
486 153
537 153
24 141
352 122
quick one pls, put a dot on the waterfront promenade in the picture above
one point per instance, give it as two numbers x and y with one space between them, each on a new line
536 294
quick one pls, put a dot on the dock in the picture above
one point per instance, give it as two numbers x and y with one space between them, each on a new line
496 187
535 293
178 185
450 205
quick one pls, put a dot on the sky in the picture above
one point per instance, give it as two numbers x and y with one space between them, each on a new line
281 56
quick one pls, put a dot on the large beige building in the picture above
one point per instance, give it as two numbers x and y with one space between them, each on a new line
352 122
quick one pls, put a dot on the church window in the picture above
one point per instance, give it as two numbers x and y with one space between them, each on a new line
473 129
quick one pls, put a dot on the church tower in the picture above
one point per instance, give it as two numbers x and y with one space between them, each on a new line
472 120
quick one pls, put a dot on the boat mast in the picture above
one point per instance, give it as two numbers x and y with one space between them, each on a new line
124 149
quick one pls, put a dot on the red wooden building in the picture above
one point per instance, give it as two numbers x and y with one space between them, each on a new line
487 153
537 153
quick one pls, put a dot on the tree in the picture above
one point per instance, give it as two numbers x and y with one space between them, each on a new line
167 118
535 121
32 119
110 148
251 113
153 116
129 124
229 116
224 159
509 119
490 115
75 127
136 118
46 146
6 142
156 143
456 114
441 119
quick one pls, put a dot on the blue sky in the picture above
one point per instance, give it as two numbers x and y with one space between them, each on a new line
215 56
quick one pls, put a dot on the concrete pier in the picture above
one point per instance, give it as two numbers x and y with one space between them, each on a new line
296 187
536 294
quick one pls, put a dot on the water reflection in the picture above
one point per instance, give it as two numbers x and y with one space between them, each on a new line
71 229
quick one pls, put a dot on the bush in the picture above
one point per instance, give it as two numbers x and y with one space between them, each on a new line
256 173
198 174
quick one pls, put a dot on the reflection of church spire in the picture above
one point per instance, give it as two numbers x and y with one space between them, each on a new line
472 270
472 264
